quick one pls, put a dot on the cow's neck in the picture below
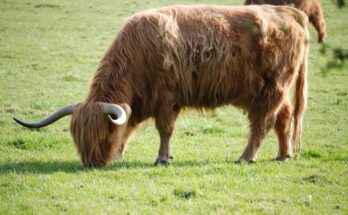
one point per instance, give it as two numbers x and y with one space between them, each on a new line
109 84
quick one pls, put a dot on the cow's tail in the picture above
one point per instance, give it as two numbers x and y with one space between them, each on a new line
300 102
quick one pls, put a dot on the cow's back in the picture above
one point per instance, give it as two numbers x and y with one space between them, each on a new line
207 55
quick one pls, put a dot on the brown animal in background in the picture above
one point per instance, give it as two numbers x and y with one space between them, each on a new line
201 57
311 8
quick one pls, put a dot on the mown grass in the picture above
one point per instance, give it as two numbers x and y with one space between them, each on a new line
49 52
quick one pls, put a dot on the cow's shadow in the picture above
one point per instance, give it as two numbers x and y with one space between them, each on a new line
49 167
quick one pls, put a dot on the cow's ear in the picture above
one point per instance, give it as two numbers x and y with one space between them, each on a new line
126 108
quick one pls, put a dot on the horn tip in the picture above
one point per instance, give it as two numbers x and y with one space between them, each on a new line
18 121
119 121
15 119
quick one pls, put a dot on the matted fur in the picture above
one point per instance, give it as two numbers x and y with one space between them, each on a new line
90 134
202 57
311 8
96 138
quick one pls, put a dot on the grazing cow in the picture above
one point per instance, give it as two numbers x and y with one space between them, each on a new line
201 57
310 7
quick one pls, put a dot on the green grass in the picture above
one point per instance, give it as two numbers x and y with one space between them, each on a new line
49 51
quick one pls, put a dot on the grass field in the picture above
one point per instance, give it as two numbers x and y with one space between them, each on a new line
49 51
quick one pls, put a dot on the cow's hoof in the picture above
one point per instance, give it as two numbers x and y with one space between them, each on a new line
160 162
243 160
282 158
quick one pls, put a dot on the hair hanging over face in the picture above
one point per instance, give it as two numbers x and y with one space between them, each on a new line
91 129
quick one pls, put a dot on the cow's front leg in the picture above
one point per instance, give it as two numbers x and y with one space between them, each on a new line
165 120
164 150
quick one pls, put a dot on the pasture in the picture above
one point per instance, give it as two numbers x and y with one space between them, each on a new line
49 51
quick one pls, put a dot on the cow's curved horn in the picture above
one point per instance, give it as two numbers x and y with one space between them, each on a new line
68 110
114 110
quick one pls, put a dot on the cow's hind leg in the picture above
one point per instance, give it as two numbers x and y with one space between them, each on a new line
258 132
262 116
317 19
165 120
282 129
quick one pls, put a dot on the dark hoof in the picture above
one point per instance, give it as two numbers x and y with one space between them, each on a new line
162 163
238 161
282 158
241 160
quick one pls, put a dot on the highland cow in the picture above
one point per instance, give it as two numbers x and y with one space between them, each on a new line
311 8
163 60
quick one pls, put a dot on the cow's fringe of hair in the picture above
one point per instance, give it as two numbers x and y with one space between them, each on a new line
89 128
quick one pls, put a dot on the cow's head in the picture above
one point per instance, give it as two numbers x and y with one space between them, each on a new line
96 127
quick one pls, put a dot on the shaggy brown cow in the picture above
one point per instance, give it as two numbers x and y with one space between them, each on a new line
310 7
195 56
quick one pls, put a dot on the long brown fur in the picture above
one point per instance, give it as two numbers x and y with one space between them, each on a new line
198 56
311 8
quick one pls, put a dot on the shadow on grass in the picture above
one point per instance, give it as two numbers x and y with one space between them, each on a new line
49 167
41 167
